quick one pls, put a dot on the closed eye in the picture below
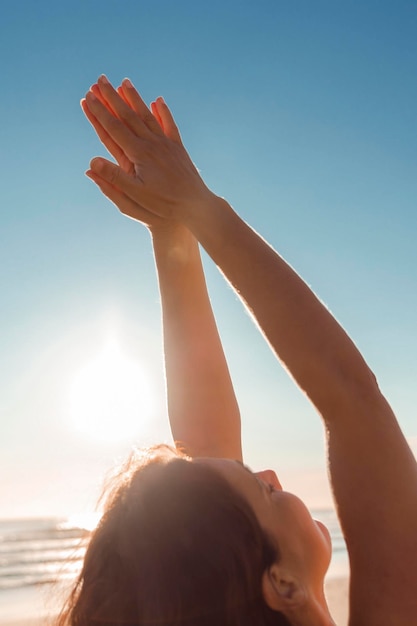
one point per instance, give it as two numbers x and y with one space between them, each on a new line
265 485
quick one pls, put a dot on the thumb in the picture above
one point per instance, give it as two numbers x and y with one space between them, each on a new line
116 176
130 185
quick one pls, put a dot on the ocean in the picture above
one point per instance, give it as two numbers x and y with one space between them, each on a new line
40 551
37 552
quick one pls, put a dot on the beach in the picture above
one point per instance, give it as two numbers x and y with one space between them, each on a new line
31 606
337 594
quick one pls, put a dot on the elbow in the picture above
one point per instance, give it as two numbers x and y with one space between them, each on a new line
352 391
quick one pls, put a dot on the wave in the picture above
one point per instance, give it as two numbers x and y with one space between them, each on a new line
38 551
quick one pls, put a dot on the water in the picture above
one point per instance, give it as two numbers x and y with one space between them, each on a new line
40 551
35 552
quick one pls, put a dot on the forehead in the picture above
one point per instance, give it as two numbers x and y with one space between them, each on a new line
238 475
223 466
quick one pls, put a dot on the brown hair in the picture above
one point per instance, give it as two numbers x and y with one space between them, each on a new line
176 546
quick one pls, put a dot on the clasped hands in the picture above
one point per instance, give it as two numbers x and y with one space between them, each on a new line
154 178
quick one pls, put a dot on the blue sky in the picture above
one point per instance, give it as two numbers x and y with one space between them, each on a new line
301 113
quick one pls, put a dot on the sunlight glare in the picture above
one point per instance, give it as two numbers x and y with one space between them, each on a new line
85 521
110 397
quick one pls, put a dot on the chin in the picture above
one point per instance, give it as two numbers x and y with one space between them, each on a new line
324 531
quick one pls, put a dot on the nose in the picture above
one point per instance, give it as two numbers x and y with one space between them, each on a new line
270 477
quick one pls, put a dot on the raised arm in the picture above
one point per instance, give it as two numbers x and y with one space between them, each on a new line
373 472
202 407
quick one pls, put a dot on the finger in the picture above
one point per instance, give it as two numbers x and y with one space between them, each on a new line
139 122
157 116
117 177
167 119
117 130
106 140
122 95
131 186
133 99
123 203
96 91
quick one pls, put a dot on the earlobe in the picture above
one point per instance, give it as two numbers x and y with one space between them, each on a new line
281 590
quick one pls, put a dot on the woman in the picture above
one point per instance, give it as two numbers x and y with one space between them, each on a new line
203 540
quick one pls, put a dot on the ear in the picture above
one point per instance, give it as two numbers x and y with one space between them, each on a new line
281 590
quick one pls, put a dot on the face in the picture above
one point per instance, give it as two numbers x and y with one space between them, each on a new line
304 544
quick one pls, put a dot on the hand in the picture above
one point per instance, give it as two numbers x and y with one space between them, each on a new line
166 123
155 175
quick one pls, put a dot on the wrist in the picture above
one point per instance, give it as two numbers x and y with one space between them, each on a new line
173 243
212 221
198 206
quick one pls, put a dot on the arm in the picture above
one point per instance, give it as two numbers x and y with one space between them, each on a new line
202 407
373 472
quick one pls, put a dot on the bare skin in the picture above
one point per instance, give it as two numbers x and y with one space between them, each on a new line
202 407
377 506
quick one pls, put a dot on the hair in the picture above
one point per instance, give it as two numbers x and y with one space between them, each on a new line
176 545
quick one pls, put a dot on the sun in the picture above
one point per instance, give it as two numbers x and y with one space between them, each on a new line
110 398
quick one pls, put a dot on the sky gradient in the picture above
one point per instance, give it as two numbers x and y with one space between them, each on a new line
302 114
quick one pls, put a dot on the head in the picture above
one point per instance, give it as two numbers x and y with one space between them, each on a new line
178 543
293 583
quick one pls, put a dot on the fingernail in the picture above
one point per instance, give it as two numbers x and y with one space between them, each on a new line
91 96
127 83
103 79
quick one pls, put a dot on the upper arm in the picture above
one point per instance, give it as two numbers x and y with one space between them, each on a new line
374 479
